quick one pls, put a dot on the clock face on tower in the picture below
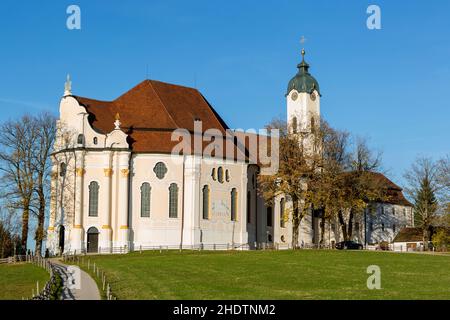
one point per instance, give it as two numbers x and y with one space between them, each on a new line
294 96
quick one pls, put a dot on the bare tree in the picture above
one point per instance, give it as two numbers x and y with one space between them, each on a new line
423 185
17 141
46 133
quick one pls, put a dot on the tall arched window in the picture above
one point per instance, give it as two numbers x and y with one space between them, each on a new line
249 206
269 216
145 199
205 202
93 199
282 204
313 124
220 174
173 201
213 174
95 140
233 204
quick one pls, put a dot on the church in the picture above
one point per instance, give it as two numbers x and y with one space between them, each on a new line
117 183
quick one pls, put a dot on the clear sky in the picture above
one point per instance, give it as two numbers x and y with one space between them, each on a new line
390 85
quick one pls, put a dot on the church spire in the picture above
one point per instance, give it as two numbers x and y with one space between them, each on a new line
68 86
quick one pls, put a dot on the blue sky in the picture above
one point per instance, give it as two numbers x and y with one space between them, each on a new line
389 85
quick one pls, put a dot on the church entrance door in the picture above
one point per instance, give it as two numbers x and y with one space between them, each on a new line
92 240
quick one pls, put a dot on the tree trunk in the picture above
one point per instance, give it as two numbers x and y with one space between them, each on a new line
322 229
295 222
40 233
343 225
350 226
425 238
25 219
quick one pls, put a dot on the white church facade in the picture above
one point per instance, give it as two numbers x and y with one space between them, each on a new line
117 183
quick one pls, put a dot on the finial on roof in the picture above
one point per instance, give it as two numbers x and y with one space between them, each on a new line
117 122
68 86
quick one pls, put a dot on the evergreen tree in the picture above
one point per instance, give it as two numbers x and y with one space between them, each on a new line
425 205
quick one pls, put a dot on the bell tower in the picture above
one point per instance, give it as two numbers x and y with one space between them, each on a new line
303 100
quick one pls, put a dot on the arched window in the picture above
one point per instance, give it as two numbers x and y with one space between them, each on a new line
233 204
249 207
269 216
213 174
393 228
313 124
382 227
95 140
145 199
205 202
294 125
173 201
160 170
62 169
220 174
93 199
80 139
227 175
282 222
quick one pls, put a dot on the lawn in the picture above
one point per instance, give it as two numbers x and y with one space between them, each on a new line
302 274
18 280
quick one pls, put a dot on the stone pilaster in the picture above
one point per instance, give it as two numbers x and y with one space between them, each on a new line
242 208
123 185
78 234
191 194
105 205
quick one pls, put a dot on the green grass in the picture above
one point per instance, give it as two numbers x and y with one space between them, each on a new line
17 280
302 274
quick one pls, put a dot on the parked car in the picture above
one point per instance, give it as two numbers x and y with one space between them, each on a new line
349 245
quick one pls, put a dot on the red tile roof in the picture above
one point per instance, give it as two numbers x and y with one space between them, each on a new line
150 112
394 192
